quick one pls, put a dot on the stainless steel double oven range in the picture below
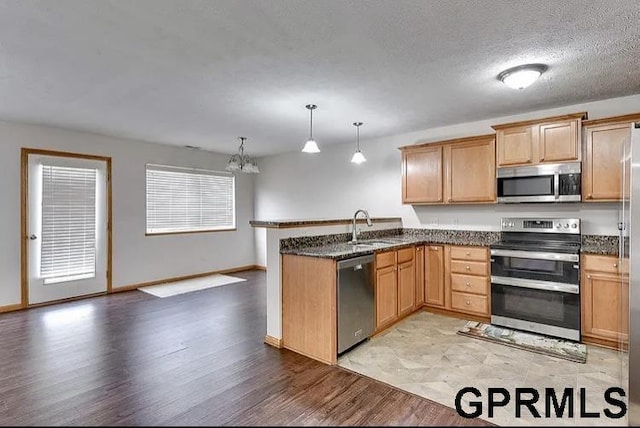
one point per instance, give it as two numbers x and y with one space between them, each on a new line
535 276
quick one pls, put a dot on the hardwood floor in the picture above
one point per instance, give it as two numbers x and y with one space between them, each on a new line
192 359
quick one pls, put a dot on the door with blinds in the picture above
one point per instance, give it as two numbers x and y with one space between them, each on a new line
67 227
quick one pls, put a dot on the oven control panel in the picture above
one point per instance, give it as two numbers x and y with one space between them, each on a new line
549 225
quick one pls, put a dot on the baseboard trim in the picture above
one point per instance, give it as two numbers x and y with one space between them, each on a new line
11 308
258 267
182 278
272 341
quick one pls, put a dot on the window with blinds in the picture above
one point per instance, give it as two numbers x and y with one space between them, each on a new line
189 200
68 249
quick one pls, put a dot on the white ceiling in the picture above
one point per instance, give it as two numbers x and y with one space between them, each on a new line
205 72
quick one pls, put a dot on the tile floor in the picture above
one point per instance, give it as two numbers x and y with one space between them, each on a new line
423 355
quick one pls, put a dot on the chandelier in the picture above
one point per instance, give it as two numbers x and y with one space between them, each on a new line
241 162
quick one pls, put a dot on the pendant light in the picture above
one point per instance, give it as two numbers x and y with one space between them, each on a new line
311 146
241 162
358 157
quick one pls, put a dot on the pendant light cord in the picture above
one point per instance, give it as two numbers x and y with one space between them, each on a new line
311 124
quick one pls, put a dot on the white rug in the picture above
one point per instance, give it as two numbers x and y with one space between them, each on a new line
188 285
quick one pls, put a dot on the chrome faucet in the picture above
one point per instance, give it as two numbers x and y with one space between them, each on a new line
355 232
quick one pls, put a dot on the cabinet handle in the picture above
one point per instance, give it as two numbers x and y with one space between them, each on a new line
433 248
449 200
468 284
588 276
467 302
615 265
468 253
467 267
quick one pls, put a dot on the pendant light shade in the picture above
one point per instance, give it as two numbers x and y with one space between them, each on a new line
358 157
240 162
311 146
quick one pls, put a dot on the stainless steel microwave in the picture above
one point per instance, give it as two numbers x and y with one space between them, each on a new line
560 182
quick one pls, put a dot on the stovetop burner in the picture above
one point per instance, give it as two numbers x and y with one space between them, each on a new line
539 246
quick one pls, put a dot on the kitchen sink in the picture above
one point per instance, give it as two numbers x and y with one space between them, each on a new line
376 242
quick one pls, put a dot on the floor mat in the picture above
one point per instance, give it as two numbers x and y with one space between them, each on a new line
189 285
550 346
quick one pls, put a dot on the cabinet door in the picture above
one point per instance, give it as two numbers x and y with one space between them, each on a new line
386 296
419 276
558 141
605 306
602 173
514 146
471 175
422 175
434 275
406 287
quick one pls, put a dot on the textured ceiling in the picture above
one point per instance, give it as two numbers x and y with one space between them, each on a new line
202 73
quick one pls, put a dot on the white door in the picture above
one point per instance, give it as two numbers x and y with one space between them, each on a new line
67 227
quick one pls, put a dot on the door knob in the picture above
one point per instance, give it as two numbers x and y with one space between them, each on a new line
33 237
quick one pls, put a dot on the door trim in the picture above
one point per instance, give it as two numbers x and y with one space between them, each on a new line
24 198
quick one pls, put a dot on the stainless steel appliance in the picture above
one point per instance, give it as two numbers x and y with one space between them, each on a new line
558 182
356 304
535 276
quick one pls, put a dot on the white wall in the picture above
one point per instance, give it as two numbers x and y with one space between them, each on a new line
136 258
327 185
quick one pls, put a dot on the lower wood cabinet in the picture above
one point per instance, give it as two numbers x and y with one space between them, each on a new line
420 284
467 280
434 275
395 285
604 301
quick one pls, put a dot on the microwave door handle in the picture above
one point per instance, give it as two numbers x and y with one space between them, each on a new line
556 185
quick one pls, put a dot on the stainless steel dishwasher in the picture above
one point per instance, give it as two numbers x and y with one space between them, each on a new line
356 304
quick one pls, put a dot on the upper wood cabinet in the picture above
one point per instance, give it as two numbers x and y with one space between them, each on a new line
549 140
471 171
452 171
422 175
601 164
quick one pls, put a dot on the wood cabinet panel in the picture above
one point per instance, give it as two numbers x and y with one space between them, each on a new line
387 258
386 296
420 285
601 166
406 288
604 294
469 253
309 321
473 303
434 275
469 268
514 146
471 172
558 141
470 284
422 175
405 255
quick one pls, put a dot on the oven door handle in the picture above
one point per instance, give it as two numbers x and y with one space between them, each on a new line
537 285
536 255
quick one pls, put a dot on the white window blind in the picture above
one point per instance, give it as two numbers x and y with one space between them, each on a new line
68 249
189 200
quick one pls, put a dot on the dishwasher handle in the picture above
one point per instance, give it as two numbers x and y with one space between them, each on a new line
355 261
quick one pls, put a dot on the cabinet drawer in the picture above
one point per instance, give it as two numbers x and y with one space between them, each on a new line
405 254
469 253
470 284
469 303
469 268
609 264
388 258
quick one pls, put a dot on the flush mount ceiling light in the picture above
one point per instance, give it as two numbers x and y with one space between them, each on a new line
522 76
241 162
358 157
311 146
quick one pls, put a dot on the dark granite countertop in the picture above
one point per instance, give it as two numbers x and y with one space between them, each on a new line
337 246
321 247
